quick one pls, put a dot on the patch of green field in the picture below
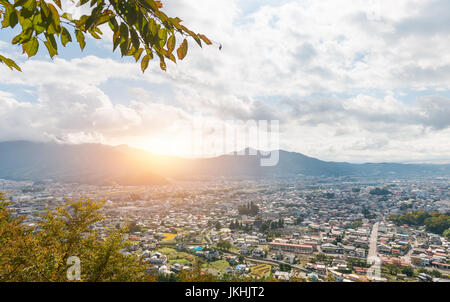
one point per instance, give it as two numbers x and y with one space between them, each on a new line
175 256
218 265
181 261
167 251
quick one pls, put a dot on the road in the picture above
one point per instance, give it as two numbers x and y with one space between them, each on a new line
373 242
372 257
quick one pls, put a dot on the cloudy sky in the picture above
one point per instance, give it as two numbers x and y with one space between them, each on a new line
358 81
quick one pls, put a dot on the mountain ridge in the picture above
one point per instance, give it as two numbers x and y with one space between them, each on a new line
124 165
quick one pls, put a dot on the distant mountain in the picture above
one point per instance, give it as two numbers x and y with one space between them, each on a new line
291 163
85 163
101 164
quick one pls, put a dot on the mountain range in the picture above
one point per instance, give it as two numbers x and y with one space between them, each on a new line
123 165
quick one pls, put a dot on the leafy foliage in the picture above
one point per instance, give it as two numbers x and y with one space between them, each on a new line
284 267
248 209
447 233
140 28
133 227
352 262
224 245
435 222
41 253
380 192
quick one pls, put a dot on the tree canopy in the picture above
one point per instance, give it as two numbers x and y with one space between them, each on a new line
41 253
248 209
434 222
140 28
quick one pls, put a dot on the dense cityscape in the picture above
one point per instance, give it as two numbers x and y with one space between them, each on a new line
345 229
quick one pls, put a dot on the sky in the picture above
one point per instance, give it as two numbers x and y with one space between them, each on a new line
356 81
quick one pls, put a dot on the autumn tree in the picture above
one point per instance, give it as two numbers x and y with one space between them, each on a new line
40 253
224 245
140 28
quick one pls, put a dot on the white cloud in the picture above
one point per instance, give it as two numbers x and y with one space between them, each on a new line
342 78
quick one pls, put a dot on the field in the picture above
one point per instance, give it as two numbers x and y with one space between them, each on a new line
219 265
173 256
261 270
169 236
180 260
167 251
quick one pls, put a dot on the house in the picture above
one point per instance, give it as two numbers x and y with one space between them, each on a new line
158 259
349 250
337 275
283 276
424 277
164 270
330 248
362 270
360 252
258 253
441 265
384 249
245 249
242 269
321 269
212 255
176 268
291 258
294 248
181 246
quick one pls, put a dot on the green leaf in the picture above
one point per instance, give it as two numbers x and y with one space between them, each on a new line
28 8
55 15
124 46
38 25
31 47
82 2
6 14
162 34
124 31
116 39
65 36
19 3
13 18
10 63
131 16
51 51
144 63
80 38
152 27
67 16
45 9
138 54
171 44
134 38
94 34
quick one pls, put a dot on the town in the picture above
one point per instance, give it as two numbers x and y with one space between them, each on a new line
346 229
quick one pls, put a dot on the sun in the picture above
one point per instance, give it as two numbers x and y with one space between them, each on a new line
165 145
